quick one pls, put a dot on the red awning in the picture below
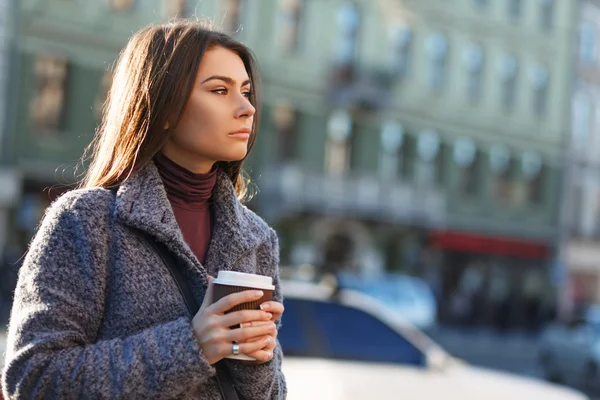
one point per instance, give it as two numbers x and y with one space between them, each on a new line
497 245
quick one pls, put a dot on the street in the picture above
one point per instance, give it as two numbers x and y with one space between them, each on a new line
515 353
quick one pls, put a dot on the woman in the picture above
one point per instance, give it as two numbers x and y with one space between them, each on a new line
96 312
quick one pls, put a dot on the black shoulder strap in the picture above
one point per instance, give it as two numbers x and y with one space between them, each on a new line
175 268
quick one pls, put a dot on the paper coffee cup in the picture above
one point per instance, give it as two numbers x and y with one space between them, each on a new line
229 282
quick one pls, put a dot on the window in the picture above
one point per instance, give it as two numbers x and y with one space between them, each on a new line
428 149
534 175
503 187
589 208
465 156
232 16
338 330
102 94
348 22
508 75
501 167
546 14
289 21
284 119
536 188
514 8
437 49
594 140
339 127
588 43
539 80
473 60
576 208
121 5
581 124
46 107
401 41
390 148
175 8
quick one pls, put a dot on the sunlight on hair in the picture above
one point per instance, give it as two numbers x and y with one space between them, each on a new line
151 85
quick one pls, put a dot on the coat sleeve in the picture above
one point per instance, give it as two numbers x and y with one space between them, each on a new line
58 307
263 381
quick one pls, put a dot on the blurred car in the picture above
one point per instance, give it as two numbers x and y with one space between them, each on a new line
570 353
411 297
343 344
2 352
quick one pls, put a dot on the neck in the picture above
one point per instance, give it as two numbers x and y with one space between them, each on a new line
182 185
187 160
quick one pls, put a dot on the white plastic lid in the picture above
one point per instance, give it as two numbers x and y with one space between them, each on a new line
232 278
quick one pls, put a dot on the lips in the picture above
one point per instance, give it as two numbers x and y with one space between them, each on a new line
243 133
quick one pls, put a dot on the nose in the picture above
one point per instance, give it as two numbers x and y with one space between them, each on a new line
245 108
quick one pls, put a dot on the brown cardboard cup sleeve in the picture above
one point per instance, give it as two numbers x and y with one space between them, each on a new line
229 282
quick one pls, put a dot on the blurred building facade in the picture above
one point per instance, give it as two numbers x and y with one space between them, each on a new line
9 177
59 59
428 142
418 136
582 192
64 53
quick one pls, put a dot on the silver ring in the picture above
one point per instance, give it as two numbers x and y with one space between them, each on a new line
236 349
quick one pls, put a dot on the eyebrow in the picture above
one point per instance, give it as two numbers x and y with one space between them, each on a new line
225 79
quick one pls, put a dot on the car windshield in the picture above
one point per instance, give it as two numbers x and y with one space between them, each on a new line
322 329
399 290
596 326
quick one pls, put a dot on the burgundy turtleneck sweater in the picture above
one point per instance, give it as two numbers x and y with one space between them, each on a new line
189 195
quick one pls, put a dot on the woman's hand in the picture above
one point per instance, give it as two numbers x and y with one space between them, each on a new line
266 354
211 325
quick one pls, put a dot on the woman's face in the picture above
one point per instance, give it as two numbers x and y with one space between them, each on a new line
217 120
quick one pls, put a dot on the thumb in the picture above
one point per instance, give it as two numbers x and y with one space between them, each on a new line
208 295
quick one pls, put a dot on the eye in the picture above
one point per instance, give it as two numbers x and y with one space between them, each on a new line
220 91
247 93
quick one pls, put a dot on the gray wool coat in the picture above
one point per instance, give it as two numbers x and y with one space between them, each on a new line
97 314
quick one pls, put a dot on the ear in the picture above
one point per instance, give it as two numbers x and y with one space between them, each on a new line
167 125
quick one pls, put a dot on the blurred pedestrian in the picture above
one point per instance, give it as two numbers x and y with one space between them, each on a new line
96 312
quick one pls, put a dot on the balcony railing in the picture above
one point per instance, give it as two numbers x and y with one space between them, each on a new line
289 189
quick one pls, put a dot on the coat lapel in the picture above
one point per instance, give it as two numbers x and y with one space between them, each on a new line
237 231
142 203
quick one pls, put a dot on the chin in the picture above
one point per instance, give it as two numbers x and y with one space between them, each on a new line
234 156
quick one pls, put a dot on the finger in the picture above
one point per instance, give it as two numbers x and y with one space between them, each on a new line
257 323
271 345
273 307
208 295
243 334
232 300
245 348
243 316
261 355
273 334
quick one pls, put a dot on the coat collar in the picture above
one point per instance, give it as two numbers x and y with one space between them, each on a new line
142 203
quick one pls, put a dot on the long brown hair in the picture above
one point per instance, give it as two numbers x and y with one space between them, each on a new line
152 83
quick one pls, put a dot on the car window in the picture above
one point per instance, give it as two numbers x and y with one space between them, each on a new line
596 327
331 330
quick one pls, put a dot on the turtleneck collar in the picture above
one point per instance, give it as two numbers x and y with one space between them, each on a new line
184 188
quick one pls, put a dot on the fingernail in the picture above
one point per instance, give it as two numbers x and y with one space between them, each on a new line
264 306
268 315
246 324
258 293
268 339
